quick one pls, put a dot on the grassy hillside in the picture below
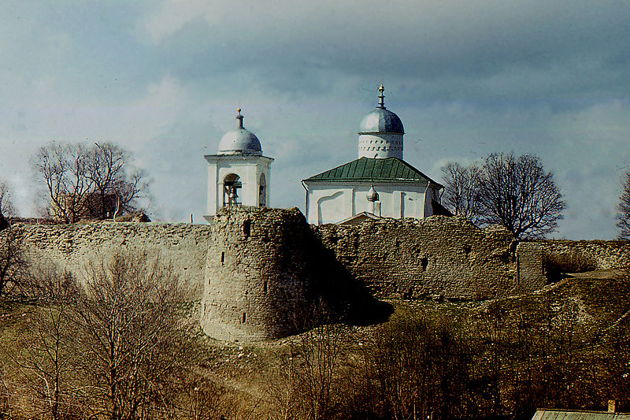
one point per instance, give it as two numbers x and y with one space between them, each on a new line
565 346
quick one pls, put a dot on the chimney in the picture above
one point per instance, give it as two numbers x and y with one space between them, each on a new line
612 406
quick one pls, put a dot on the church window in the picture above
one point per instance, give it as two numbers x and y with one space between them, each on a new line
244 318
222 258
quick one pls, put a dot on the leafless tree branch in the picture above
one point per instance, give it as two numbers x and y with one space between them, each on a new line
88 181
623 222
515 192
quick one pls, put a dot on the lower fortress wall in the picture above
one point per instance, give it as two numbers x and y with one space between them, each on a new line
265 273
438 257
601 255
72 247
534 257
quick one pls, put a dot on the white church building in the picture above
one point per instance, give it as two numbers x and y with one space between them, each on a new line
239 174
377 184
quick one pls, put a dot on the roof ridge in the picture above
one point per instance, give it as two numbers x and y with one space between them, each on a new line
417 170
373 169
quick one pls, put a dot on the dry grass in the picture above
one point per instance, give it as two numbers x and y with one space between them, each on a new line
583 322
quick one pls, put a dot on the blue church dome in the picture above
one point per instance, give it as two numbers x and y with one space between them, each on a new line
381 120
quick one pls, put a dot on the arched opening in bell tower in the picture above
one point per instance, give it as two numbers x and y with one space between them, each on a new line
262 191
231 190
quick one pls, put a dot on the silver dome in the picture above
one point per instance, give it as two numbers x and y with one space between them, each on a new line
372 195
381 120
240 141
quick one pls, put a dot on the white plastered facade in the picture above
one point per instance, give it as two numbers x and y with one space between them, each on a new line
332 202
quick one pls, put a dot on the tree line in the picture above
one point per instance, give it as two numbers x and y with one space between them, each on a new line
441 366
99 181
515 192
83 181
120 345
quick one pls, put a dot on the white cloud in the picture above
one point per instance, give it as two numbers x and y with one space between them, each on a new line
134 125
591 151
467 78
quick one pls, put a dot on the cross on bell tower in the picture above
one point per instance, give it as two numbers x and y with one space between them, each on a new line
381 96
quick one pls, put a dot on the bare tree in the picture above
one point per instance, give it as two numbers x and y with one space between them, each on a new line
284 392
504 189
320 352
46 363
44 350
461 187
417 367
624 210
115 181
6 200
12 261
88 181
134 337
64 169
120 347
519 194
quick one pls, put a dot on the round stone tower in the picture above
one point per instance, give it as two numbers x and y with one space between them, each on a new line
381 132
258 280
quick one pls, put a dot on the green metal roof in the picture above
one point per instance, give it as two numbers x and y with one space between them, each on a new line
546 414
373 170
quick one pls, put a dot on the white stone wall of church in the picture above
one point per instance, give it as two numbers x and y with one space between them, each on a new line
334 202
249 172
212 189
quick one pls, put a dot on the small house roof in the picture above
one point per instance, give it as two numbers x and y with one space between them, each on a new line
548 414
358 218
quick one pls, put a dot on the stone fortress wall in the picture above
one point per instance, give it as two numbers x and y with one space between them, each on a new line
72 247
264 273
603 255
437 257
532 256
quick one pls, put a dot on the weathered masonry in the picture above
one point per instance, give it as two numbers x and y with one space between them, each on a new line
265 273
438 257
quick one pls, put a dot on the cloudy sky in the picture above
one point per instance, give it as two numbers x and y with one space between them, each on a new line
468 77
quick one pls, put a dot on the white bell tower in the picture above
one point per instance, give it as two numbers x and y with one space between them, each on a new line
239 174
